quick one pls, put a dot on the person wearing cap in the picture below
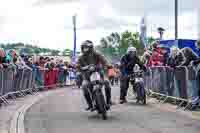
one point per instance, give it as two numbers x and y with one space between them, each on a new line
128 62
90 56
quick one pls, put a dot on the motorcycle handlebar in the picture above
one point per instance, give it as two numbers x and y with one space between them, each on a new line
85 68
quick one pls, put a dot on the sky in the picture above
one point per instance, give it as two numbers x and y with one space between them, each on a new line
48 23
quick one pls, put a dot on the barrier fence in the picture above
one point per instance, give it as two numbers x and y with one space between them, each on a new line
20 81
179 83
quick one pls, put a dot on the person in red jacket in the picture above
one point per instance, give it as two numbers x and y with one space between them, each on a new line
156 58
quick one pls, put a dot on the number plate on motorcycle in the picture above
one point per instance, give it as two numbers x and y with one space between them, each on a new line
95 77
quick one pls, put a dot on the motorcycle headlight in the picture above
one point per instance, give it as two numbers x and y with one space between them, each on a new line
97 86
92 68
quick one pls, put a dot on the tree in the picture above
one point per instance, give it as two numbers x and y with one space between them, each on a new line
130 39
104 43
115 39
115 45
27 50
150 40
66 52
37 51
19 44
55 52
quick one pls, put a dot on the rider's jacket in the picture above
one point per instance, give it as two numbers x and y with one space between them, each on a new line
92 58
127 64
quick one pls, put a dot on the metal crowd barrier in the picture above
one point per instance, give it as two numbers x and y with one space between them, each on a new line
23 80
178 83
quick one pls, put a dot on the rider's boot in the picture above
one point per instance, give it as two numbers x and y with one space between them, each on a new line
89 103
122 101
88 108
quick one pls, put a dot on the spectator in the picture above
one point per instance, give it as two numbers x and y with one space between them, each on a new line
156 58
48 64
155 47
15 61
31 64
191 58
15 66
2 58
176 57
10 55
189 55
60 64
111 74
66 73
146 58
117 71
66 64
41 62
21 62
61 74
165 56
196 63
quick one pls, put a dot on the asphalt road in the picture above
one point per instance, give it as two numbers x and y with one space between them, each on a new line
64 113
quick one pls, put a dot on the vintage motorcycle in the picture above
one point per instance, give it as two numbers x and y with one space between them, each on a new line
137 81
92 75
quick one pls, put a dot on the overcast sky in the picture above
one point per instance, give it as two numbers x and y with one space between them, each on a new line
48 23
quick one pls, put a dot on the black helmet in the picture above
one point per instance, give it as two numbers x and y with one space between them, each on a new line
91 45
87 47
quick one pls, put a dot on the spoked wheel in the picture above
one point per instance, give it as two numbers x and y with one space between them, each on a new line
101 105
104 116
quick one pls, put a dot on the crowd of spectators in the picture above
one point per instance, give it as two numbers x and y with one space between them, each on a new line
159 56
38 64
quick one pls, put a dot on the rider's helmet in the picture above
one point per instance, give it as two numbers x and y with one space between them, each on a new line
91 46
87 47
131 51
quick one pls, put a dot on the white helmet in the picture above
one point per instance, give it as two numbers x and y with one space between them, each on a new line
131 49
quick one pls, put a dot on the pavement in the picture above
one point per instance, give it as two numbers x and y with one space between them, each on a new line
7 112
63 112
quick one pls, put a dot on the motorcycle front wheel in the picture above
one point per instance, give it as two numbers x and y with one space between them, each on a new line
100 101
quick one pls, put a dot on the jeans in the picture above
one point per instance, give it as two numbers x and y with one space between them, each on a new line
124 85
182 88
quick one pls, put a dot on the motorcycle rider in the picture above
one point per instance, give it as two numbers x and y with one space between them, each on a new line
90 56
128 62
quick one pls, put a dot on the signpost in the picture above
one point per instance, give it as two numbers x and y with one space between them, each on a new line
176 19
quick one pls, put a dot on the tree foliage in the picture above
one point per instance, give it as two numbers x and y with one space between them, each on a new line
28 49
116 44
